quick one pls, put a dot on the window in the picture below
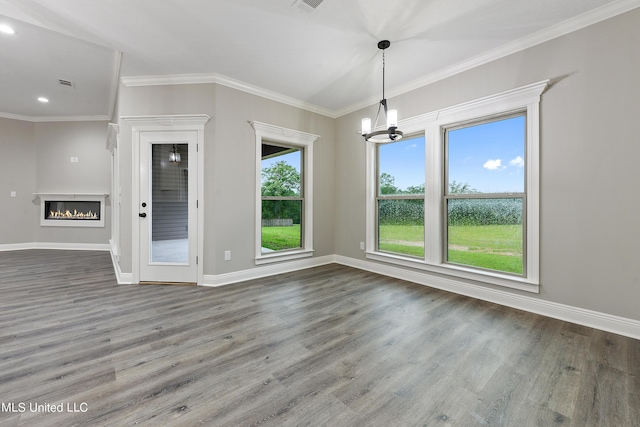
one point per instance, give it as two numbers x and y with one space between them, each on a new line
400 197
485 194
475 175
284 199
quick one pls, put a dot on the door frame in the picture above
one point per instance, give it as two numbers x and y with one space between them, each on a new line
160 123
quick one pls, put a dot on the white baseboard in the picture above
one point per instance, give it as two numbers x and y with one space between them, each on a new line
122 278
55 245
16 247
581 316
265 271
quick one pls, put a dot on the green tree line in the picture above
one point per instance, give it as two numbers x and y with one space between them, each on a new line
281 180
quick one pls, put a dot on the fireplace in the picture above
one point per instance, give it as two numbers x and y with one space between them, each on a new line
72 210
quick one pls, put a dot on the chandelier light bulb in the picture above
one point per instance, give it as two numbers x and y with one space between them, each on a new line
392 118
366 125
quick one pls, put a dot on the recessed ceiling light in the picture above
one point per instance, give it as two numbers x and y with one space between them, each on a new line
43 99
6 29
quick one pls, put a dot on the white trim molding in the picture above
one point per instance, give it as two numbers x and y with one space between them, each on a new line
214 78
121 278
55 245
265 271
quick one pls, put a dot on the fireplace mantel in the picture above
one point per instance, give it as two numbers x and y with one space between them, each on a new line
75 219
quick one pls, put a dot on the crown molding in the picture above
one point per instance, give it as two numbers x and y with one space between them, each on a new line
169 79
182 79
42 119
168 120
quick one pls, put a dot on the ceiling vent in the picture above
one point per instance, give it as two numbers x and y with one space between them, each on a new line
65 83
308 6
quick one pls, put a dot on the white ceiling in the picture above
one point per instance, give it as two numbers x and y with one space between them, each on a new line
326 60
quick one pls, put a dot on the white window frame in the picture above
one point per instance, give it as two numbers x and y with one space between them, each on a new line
525 98
266 133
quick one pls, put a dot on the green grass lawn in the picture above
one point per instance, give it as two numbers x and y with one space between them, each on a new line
494 247
281 238
402 239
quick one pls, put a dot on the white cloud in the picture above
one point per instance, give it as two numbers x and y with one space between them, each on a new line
493 165
412 146
518 161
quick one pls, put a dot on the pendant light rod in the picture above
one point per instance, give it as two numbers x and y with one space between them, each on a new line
383 45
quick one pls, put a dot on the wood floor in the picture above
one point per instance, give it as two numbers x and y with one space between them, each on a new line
328 346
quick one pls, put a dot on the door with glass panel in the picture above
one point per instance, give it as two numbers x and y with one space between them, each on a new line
168 207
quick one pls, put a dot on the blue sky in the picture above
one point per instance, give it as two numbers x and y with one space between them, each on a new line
404 160
489 157
292 159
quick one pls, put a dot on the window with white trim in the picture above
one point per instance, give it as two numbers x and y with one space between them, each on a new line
481 192
284 193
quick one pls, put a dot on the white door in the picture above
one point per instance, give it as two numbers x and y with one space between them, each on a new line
168 213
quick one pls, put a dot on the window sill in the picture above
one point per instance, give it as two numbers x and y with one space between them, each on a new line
489 277
283 256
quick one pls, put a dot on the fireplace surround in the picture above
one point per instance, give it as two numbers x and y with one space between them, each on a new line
72 209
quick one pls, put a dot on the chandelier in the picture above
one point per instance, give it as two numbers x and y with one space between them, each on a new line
391 133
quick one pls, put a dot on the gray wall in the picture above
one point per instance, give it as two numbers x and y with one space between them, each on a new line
590 144
231 193
17 173
56 143
38 161
229 175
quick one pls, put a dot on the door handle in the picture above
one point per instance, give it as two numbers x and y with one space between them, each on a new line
142 215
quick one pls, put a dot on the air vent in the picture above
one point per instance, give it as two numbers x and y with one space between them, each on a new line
312 3
65 83
308 5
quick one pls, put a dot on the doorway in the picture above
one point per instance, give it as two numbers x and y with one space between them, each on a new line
167 186
168 214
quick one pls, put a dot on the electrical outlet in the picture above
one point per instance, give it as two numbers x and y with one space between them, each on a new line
362 246
14 194
227 255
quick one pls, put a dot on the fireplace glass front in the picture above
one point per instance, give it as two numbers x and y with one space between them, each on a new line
66 210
